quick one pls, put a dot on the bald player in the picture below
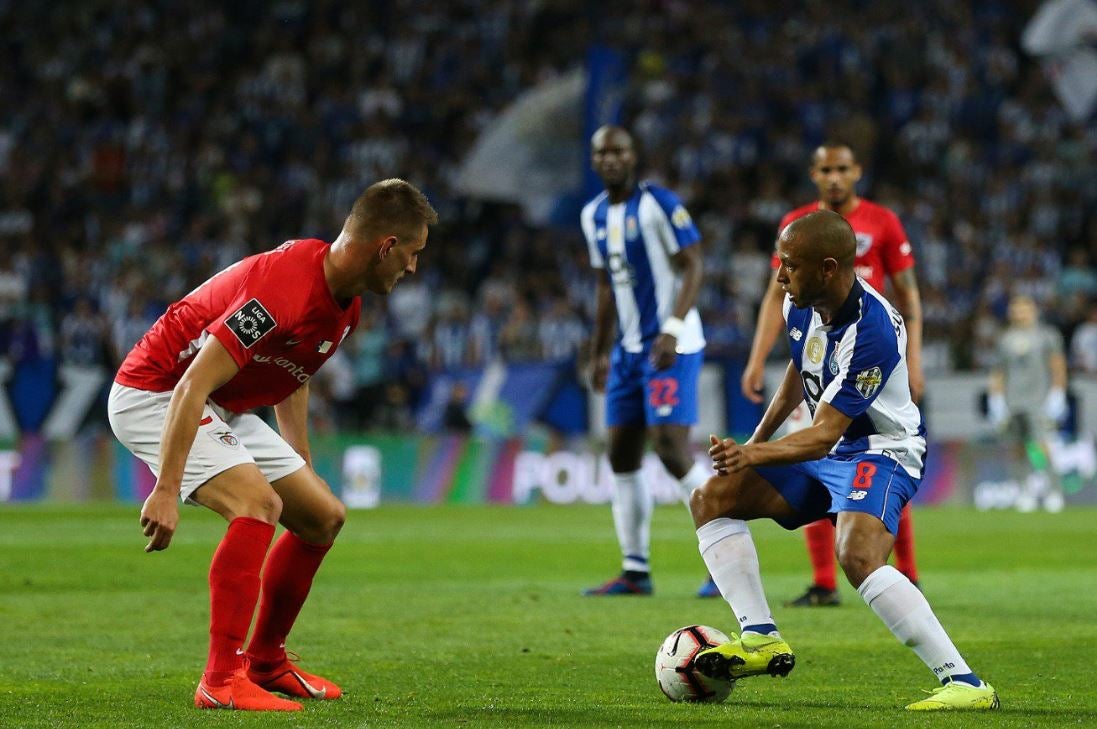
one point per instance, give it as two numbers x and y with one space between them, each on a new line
883 255
859 462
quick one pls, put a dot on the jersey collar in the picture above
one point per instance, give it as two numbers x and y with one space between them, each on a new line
849 310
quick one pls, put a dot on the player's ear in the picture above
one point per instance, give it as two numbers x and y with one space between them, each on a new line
386 246
857 172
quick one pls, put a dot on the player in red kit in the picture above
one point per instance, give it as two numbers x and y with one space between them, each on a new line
883 253
250 336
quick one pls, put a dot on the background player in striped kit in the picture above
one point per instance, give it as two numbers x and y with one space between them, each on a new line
643 239
883 254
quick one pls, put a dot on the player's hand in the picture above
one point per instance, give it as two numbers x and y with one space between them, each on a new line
1055 406
917 380
728 457
159 517
599 372
663 352
752 381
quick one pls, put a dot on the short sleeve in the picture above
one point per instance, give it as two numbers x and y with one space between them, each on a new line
897 252
866 359
586 220
245 326
679 227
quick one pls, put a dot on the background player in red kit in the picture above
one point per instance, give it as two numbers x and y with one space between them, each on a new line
251 336
883 253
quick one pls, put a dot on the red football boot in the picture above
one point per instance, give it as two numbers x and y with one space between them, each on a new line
240 694
288 679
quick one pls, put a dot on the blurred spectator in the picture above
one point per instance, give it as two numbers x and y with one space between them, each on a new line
1083 347
367 348
147 153
455 415
518 340
84 341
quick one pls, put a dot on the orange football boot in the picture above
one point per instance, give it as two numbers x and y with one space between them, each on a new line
240 694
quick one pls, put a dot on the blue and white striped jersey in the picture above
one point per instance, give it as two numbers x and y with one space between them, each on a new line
634 242
858 365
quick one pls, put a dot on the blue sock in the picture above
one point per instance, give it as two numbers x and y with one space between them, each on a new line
763 628
968 678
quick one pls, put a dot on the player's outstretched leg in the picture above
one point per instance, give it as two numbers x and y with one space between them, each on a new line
905 611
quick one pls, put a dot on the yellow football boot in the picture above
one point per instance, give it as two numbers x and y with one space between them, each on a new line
958 695
751 655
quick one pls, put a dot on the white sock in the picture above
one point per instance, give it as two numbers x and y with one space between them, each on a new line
632 507
694 478
909 617
732 560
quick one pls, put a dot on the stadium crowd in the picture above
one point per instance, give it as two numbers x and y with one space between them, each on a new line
145 147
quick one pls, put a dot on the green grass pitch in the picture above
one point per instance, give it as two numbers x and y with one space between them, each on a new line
471 616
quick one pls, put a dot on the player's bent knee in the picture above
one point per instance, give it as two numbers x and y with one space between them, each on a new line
712 500
265 507
336 519
324 524
858 564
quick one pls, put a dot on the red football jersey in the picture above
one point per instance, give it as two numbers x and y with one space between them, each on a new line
273 312
882 246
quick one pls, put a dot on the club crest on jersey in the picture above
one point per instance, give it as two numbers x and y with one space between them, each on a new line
631 229
815 349
250 323
864 242
868 382
680 218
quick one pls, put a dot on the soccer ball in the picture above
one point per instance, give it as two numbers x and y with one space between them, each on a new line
675 672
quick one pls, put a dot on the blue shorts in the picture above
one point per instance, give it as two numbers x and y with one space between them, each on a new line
869 483
639 394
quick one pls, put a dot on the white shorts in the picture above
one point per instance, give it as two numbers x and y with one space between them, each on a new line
224 438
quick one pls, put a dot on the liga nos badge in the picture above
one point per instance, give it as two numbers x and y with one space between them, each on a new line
868 382
250 323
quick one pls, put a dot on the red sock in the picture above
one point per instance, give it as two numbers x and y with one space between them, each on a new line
233 590
820 538
287 578
904 546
